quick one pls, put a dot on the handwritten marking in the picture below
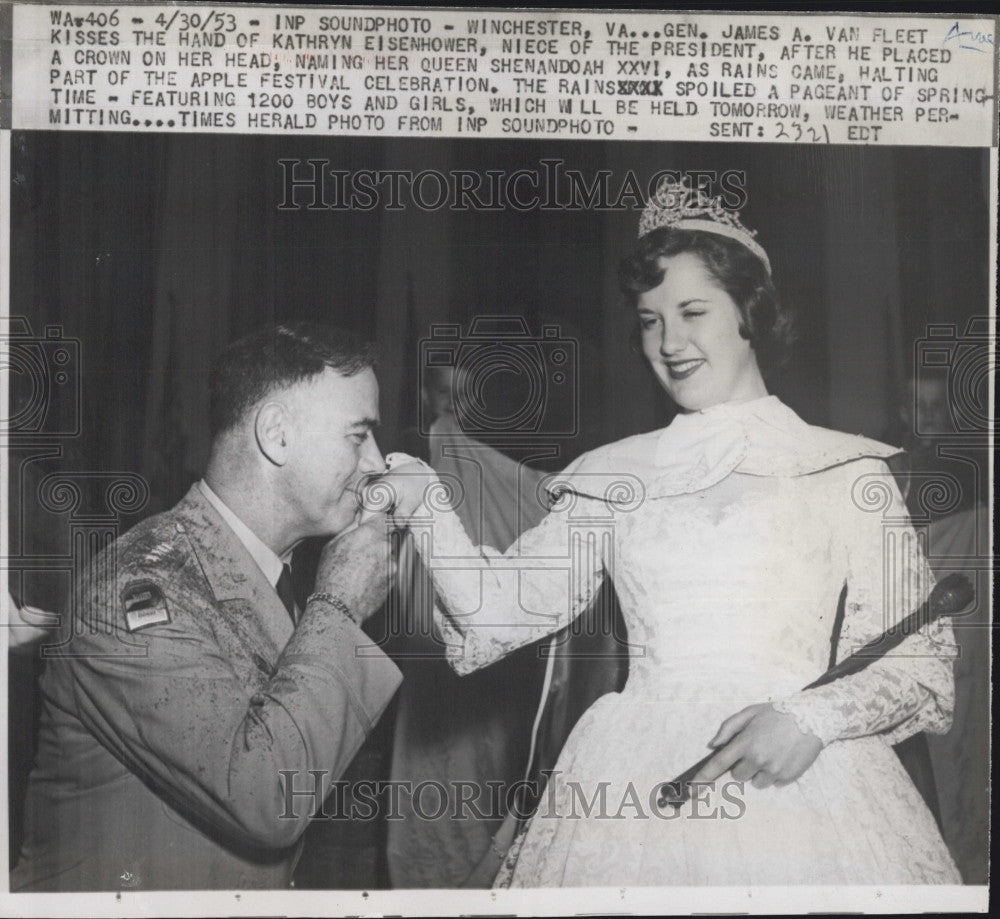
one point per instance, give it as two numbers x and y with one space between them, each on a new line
968 35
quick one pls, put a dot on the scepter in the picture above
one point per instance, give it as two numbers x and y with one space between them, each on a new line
950 596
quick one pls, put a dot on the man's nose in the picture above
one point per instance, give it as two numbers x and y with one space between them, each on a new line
372 460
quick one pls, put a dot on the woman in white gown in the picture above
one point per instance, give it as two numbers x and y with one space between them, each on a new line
730 536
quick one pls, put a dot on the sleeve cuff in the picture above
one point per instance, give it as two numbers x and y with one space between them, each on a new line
809 718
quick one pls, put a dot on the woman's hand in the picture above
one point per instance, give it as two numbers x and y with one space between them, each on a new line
762 746
400 492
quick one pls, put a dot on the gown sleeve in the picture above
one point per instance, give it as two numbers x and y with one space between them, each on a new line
910 689
492 603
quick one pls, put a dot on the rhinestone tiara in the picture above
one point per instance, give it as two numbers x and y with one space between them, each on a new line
676 205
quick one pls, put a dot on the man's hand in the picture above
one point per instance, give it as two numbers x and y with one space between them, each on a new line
762 746
358 567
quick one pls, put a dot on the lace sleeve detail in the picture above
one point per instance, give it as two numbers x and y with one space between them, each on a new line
492 603
910 689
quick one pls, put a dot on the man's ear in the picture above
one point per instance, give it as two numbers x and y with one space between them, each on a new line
273 432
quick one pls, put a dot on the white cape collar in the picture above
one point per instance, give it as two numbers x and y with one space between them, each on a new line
761 437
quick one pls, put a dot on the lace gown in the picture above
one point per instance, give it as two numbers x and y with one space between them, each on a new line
730 536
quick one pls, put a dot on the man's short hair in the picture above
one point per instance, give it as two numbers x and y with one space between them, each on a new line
276 357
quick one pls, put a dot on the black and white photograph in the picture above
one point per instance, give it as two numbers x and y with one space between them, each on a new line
529 521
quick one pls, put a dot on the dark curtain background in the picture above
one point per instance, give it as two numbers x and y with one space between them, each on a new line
155 250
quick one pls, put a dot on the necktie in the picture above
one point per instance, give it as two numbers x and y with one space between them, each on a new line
284 589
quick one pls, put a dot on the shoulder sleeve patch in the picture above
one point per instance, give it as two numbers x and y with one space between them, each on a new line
144 605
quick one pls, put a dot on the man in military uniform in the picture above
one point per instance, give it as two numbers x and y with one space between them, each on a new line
190 695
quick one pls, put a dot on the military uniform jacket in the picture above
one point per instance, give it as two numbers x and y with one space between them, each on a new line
180 713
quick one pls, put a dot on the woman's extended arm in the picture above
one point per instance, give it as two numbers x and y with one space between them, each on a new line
495 603
910 689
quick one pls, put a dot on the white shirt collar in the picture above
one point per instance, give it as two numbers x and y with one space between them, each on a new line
262 554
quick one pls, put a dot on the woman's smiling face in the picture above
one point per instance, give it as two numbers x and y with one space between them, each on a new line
690 331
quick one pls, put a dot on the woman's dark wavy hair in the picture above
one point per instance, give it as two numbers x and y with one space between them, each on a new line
763 320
